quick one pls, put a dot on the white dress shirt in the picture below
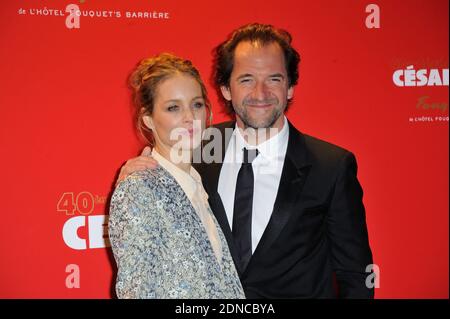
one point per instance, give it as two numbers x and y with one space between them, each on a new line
267 168
192 186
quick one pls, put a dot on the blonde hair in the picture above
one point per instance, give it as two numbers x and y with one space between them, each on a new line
144 81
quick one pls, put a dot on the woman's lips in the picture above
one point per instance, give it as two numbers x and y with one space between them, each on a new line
189 131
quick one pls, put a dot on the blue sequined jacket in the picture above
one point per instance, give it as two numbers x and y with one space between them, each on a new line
160 245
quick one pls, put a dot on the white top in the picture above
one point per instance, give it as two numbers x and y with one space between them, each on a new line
267 168
192 186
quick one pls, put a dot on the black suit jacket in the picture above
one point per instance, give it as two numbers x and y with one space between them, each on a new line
316 243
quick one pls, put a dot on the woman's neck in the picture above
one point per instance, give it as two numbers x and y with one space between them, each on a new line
180 158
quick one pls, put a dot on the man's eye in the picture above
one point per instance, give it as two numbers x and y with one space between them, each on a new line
172 108
245 80
275 79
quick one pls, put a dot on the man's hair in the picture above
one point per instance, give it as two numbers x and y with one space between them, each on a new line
256 33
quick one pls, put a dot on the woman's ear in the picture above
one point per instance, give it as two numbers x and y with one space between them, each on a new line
148 121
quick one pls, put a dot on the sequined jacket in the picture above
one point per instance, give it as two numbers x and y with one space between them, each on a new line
160 245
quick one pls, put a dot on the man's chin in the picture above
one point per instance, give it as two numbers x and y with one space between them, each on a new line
251 123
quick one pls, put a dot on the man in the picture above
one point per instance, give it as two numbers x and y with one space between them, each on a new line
290 205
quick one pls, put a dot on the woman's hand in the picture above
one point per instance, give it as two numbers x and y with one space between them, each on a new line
140 163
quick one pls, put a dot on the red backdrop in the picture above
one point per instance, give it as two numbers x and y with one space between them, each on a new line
380 90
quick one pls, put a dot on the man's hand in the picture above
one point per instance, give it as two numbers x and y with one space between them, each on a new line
144 161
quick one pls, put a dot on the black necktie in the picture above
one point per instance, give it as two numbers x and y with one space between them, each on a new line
242 213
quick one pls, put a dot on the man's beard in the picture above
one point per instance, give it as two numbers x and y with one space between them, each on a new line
267 122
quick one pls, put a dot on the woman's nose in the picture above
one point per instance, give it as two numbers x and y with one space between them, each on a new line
188 114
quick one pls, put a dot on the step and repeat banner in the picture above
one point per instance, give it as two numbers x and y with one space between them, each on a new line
373 79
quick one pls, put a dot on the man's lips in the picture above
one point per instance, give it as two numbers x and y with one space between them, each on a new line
259 106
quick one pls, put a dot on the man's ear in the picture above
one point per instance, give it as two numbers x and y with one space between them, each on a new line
290 93
148 121
226 92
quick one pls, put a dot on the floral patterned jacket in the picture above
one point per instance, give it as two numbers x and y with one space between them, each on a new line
160 245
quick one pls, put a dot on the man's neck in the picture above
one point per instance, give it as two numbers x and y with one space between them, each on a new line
255 137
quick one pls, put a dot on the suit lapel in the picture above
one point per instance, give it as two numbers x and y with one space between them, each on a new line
215 146
219 212
210 177
295 171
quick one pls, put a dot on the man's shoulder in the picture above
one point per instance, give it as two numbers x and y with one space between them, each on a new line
320 146
326 158
224 125
318 150
219 134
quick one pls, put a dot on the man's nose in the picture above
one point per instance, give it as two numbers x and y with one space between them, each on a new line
260 92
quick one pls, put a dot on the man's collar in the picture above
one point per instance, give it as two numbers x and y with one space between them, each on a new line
272 148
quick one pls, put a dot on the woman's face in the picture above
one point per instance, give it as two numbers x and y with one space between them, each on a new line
179 115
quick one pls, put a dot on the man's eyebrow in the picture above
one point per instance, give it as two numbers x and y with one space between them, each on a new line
245 75
277 75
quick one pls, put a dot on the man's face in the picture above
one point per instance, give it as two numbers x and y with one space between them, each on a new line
258 88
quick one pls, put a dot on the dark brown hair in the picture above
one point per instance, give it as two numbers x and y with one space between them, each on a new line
259 33
144 81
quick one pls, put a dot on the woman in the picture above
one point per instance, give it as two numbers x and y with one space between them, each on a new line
165 239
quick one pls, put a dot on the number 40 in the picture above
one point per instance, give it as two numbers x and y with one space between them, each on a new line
83 203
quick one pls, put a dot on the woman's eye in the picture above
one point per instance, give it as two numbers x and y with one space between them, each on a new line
199 105
172 108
